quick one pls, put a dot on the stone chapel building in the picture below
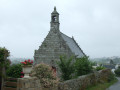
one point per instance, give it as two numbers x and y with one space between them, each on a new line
56 44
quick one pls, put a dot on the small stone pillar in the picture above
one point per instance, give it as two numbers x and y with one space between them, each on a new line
31 83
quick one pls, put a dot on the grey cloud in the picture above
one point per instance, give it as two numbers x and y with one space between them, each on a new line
95 25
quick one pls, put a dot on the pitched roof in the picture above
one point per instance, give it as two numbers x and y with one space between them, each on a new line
109 66
73 45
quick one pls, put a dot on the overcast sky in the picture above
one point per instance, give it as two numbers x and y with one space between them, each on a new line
95 25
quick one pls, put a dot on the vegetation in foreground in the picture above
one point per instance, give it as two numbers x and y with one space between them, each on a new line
66 66
100 68
45 74
14 71
117 72
73 67
4 62
102 86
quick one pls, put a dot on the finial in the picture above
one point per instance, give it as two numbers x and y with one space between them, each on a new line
54 8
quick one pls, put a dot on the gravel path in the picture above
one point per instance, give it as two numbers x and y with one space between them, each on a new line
115 86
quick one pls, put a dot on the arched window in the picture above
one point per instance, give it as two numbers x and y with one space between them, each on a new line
54 18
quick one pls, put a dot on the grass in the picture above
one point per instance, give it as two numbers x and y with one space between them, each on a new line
103 86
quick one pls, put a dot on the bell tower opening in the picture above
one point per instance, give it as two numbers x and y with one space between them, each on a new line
54 18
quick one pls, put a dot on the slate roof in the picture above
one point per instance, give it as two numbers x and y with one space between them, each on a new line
109 66
73 45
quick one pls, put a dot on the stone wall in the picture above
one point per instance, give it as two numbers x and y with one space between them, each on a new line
51 49
31 83
80 83
86 80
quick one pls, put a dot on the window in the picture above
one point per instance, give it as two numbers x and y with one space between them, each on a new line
54 18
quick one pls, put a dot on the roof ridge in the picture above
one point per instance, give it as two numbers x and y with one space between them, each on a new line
65 35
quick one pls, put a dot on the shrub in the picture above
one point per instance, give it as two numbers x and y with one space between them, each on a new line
14 71
82 66
74 67
99 68
4 62
117 72
111 77
4 53
45 74
66 67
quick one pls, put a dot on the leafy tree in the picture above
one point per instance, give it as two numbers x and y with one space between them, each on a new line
117 71
14 71
74 67
82 66
66 67
4 53
4 62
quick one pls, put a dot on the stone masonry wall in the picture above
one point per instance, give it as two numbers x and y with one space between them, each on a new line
31 83
84 81
52 47
80 83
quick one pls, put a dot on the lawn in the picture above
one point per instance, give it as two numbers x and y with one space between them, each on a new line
103 86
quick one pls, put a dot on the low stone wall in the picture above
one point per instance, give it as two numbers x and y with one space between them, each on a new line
86 80
31 83
80 83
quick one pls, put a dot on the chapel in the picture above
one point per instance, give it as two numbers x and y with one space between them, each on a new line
56 44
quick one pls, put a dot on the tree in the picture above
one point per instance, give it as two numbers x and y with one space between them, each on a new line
66 66
74 67
82 66
4 53
117 71
14 71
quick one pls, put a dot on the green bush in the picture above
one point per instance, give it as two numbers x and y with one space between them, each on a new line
100 68
4 53
117 72
66 67
82 66
111 77
74 67
45 74
14 71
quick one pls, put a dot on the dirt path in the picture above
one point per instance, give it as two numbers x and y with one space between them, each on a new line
115 86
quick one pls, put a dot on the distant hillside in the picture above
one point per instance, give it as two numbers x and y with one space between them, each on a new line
15 60
102 60
115 59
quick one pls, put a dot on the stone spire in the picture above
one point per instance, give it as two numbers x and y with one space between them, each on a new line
55 8
55 11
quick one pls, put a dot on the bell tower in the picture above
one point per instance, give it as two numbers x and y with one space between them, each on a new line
54 19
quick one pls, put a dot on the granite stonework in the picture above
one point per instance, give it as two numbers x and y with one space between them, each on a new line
31 83
82 82
56 44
